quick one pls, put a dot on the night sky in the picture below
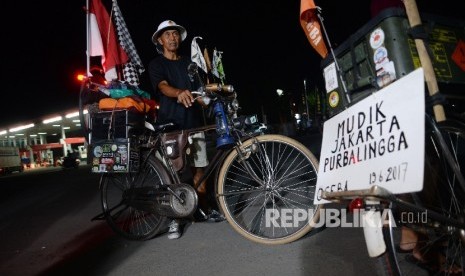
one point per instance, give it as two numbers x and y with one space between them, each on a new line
264 47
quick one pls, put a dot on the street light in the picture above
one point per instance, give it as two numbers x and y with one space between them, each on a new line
280 92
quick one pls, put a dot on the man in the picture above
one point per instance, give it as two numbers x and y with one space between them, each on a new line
171 82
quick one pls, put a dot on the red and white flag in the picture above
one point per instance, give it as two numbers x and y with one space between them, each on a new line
103 40
311 26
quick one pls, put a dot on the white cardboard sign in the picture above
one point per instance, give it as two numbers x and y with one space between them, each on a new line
377 141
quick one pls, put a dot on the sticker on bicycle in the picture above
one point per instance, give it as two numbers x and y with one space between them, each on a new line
377 141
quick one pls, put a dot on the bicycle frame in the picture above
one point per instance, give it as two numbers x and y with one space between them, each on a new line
214 162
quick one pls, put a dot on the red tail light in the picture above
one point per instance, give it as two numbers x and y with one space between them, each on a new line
97 79
81 77
356 203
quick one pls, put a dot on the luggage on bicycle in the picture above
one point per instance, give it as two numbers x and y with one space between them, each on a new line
112 141
138 104
383 51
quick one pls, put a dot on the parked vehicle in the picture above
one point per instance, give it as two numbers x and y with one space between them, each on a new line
68 162
10 160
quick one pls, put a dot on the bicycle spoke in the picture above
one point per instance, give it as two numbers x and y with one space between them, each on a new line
120 193
442 193
289 174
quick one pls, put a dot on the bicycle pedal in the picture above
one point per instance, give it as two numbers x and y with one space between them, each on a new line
203 213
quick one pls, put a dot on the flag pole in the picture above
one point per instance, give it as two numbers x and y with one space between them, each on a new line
87 39
333 55
82 118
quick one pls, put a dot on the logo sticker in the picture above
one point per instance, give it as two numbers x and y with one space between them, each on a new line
377 38
98 151
380 56
458 56
333 99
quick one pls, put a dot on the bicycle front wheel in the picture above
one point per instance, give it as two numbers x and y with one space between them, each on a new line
439 242
123 196
267 196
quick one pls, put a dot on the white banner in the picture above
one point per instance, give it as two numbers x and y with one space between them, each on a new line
377 141
196 54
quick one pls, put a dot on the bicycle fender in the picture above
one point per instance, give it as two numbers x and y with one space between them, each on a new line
372 230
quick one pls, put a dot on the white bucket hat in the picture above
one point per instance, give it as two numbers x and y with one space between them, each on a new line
168 24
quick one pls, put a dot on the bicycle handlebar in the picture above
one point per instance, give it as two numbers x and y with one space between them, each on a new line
212 89
217 87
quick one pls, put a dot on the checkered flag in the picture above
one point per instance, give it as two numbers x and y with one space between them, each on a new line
134 67
131 74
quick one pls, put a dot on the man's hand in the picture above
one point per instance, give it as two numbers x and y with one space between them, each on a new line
185 98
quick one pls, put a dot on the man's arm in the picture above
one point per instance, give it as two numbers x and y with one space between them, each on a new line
183 96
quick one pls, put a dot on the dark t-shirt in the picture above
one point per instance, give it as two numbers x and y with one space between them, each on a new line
175 73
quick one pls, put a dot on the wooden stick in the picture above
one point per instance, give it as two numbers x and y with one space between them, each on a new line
430 77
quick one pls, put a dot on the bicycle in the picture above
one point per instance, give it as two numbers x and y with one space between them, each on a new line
436 213
253 173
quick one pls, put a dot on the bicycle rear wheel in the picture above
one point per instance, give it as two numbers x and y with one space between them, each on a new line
441 243
122 195
274 209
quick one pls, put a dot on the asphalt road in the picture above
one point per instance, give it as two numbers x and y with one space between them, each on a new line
46 229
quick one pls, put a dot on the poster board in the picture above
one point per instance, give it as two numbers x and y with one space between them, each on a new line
377 141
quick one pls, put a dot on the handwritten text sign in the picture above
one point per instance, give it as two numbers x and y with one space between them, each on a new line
377 141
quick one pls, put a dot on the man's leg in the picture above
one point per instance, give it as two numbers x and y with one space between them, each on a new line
200 188
199 160
197 175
